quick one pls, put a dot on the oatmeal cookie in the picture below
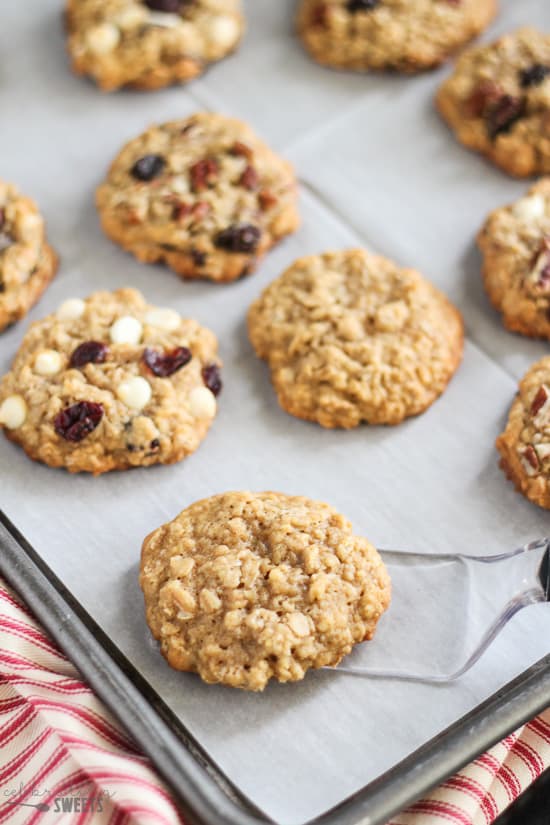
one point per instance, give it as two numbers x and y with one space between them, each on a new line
147 44
389 34
497 101
203 194
110 383
351 337
27 262
515 242
245 587
524 445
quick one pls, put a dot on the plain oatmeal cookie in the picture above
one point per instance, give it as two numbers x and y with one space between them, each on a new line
147 44
389 34
497 101
524 445
203 194
515 242
27 262
351 337
245 587
110 383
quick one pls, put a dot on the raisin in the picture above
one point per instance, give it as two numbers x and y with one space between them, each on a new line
242 237
533 76
90 352
361 5
250 178
148 167
198 256
212 378
165 364
170 6
77 421
503 114
155 444
203 174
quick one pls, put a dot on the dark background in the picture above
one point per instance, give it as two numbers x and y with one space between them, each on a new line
532 808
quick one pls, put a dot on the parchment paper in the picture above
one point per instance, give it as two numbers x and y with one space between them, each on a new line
378 168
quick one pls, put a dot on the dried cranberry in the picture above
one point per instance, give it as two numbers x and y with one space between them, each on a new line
77 421
212 378
242 237
90 352
266 200
203 174
171 6
503 114
165 364
534 76
361 5
485 94
180 211
250 178
148 167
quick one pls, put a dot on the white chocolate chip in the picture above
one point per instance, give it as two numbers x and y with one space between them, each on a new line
163 19
48 362
530 208
71 309
103 39
166 319
135 392
131 17
126 330
13 412
222 32
202 403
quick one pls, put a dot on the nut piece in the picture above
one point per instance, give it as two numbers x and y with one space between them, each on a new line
13 412
135 392
126 330
48 362
71 309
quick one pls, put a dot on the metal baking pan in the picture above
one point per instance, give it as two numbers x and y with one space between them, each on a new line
379 169
204 794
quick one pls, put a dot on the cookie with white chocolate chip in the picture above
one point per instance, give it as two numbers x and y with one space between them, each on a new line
246 587
403 35
27 261
147 44
497 101
204 195
515 243
350 337
524 445
110 383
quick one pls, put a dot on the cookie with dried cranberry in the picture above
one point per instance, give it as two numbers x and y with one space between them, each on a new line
497 101
515 242
246 587
524 445
27 261
389 34
351 337
110 383
203 195
147 44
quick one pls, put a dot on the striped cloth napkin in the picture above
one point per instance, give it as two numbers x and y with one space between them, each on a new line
65 760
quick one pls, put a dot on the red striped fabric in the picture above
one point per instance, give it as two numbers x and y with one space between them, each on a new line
65 761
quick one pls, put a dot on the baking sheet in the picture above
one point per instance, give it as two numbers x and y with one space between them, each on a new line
378 168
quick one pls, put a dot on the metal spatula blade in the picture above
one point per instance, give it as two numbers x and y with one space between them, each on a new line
447 609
